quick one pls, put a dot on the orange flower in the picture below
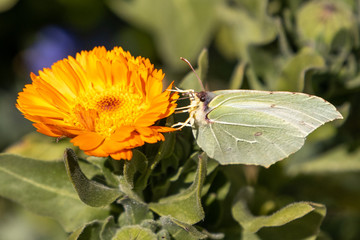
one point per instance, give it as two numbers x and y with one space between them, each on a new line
107 101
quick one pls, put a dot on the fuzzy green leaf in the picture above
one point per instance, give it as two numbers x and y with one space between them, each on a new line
108 229
90 231
44 188
165 150
127 189
253 224
185 206
135 212
179 230
138 163
90 192
102 164
134 232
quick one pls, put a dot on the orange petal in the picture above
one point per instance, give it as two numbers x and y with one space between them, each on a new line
122 133
153 138
88 141
97 152
125 154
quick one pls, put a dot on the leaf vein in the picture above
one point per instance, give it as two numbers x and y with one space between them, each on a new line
47 188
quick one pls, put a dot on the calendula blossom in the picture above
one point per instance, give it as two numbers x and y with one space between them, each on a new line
106 101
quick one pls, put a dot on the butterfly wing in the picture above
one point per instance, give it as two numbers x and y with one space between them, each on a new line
258 127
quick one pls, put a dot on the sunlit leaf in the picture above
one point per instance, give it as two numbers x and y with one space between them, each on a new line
134 232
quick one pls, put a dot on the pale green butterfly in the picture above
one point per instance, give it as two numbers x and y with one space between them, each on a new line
254 127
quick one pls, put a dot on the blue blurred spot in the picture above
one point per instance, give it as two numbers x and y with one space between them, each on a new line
51 44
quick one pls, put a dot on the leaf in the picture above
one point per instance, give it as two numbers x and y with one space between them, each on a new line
181 30
44 188
243 27
292 77
90 231
256 127
108 229
252 224
127 189
185 206
181 231
138 163
312 30
165 150
135 212
134 232
237 77
90 192
102 164
41 147
337 160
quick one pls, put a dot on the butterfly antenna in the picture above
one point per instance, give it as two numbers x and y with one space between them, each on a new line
197 76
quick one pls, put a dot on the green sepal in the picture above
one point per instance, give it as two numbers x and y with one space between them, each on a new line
90 192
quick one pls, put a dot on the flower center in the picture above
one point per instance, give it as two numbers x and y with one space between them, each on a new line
104 112
108 103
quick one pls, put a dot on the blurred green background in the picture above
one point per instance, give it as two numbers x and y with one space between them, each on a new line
292 45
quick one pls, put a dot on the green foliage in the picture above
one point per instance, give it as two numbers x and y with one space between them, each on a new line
193 19
167 191
291 228
90 192
43 187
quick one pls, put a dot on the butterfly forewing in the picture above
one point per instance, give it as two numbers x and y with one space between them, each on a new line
259 127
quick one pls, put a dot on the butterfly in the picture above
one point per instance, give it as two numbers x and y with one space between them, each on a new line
254 127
